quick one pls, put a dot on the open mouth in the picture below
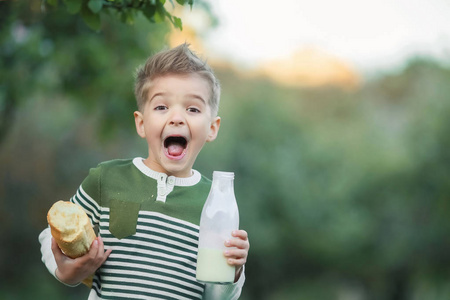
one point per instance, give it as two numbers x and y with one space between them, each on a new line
175 145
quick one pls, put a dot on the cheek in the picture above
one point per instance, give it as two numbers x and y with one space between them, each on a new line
201 134
205 130
151 127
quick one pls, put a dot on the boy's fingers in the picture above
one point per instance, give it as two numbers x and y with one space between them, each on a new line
106 254
238 243
97 254
101 247
101 251
56 250
236 257
236 254
242 234
94 249
237 261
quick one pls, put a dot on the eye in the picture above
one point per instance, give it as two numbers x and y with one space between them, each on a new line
160 107
193 110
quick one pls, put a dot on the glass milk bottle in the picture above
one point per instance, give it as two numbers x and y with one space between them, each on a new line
219 218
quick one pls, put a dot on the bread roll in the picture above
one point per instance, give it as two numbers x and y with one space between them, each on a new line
71 228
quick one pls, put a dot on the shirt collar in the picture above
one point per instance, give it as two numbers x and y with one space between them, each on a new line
177 181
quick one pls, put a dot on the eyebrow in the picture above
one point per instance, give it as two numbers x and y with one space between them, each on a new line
195 96
156 95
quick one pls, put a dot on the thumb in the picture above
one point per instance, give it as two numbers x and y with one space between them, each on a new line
56 250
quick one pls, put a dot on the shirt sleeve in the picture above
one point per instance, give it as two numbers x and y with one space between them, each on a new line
87 192
225 291
45 238
88 195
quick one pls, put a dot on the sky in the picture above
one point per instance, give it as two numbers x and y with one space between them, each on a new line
369 35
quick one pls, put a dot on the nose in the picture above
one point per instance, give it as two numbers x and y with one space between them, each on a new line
177 118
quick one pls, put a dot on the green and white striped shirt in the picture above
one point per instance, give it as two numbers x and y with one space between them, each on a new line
151 223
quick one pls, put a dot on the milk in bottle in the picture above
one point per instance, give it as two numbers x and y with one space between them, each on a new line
219 218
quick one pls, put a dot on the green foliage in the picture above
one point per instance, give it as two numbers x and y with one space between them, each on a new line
346 190
125 10
345 195
55 55
73 6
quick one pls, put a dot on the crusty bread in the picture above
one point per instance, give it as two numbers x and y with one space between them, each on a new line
71 228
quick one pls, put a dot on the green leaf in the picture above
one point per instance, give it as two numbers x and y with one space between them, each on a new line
91 19
159 18
183 2
127 17
177 23
73 6
160 14
95 5
149 12
52 2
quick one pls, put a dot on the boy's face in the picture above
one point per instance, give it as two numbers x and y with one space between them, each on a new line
176 122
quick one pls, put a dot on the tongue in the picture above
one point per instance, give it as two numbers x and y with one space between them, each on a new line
175 149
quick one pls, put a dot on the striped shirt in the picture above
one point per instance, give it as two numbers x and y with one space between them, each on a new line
151 223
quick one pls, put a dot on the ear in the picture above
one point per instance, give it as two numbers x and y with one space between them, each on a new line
139 121
213 129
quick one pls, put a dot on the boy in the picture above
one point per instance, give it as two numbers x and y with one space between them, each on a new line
148 210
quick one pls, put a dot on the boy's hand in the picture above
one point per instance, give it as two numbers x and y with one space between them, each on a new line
237 257
73 270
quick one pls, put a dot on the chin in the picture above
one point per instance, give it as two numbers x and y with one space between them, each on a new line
178 171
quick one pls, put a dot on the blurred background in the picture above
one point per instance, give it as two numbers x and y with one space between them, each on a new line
335 119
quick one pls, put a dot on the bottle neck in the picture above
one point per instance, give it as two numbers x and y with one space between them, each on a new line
223 181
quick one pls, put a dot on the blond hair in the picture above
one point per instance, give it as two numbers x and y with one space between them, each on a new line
178 60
